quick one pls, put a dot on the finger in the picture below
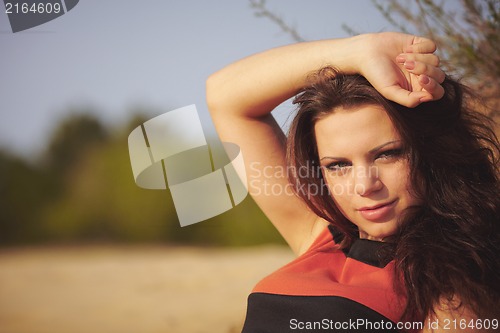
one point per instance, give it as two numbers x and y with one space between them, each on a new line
421 68
434 90
404 97
421 45
428 58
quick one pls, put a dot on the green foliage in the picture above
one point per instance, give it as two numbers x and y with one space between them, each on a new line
24 190
85 192
241 226
74 134
102 202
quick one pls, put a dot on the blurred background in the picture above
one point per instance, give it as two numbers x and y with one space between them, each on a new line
82 248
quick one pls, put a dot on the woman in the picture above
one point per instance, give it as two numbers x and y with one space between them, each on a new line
394 213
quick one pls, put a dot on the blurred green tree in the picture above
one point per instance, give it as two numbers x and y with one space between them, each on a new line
84 191
24 190
72 136
100 200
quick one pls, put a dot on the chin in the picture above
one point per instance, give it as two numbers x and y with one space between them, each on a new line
379 231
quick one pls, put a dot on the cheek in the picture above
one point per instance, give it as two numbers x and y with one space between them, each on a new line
340 191
398 181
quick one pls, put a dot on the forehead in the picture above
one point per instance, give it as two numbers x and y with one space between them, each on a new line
346 131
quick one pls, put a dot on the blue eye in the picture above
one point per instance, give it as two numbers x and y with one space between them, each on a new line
340 166
391 153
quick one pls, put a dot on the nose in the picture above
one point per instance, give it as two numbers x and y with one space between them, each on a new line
366 180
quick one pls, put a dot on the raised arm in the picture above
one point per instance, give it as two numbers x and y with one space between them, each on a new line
241 97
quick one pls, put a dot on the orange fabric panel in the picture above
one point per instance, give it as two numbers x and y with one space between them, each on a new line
324 270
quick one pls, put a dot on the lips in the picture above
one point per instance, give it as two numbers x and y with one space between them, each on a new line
377 212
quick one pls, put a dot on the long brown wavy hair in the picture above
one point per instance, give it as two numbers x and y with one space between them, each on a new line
448 246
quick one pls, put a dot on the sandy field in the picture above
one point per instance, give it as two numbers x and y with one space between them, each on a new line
130 289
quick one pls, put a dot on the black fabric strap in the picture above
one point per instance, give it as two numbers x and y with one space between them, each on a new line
269 313
370 252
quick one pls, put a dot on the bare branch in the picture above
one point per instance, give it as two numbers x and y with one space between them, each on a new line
468 42
261 10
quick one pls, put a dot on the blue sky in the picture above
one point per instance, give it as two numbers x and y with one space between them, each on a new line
113 55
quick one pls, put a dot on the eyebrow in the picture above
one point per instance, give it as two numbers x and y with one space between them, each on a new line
372 151
376 149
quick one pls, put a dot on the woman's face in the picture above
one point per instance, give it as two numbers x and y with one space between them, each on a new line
365 168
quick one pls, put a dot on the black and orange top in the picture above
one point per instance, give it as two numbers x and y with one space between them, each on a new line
328 289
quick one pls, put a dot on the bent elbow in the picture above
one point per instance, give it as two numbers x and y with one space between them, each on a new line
213 89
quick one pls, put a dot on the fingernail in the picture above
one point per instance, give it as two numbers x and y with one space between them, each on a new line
400 59
424 79
409 65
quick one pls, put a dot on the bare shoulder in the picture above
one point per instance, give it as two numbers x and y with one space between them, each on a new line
316 229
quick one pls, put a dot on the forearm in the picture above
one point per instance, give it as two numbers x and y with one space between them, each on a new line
254 86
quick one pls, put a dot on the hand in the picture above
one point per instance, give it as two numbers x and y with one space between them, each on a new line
402 68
